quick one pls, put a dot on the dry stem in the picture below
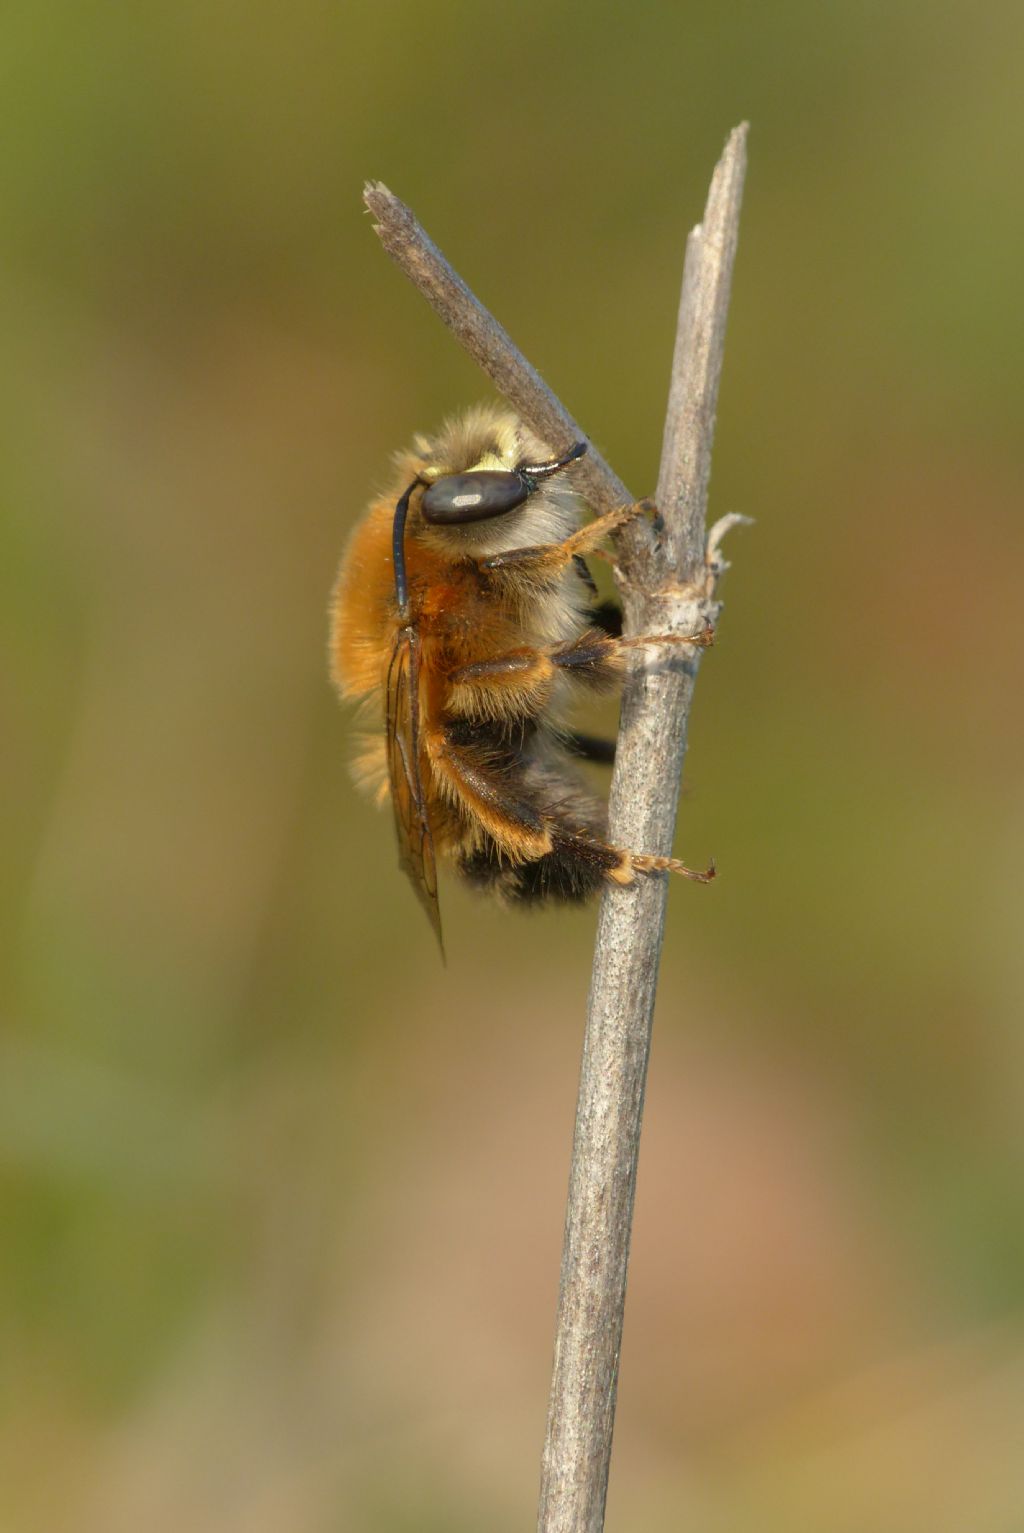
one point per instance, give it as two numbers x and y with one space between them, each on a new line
668 587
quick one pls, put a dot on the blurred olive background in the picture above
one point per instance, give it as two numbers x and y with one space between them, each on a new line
283 1198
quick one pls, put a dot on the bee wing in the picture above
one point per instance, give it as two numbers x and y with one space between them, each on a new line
412 820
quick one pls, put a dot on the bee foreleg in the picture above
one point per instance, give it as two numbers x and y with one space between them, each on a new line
545 562
592 533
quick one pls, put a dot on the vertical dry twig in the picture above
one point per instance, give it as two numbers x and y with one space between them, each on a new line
668 586
671 590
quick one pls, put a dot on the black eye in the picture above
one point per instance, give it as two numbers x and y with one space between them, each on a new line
473 497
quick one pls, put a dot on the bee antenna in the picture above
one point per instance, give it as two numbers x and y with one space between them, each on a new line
532 471
398 550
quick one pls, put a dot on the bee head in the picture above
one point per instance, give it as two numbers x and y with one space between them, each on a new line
457 501
478 495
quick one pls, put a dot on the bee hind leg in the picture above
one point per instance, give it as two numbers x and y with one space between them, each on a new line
621 867
561 875
644 862
572 872
531 835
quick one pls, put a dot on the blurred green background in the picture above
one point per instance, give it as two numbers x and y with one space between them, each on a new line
283 1199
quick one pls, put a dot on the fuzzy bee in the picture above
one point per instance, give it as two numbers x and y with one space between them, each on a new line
465 618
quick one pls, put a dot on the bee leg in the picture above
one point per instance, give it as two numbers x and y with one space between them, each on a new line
548 560
577 866
592 533
514 685
645 862
600 659
703 640
543 850
517 684
621 867
487 797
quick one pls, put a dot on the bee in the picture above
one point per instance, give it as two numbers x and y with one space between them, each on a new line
465 620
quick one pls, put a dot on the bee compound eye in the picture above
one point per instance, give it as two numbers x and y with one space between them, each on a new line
473 497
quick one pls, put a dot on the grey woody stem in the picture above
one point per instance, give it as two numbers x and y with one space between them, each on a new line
671 589
668 586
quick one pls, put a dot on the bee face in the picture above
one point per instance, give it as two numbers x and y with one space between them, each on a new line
483 487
